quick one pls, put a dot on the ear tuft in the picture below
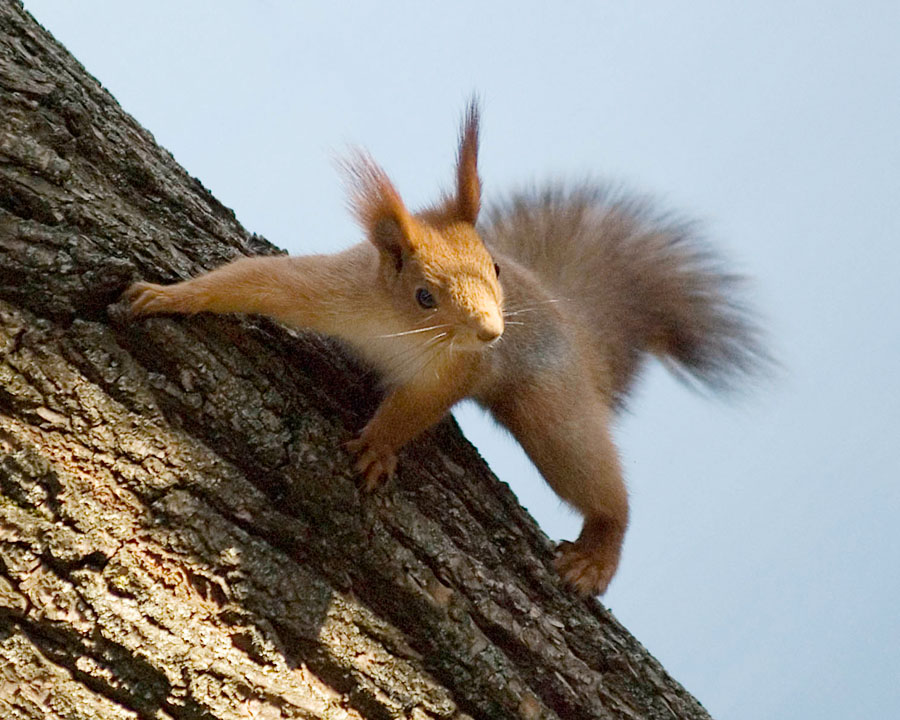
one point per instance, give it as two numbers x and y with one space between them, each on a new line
377 206
388 237
468 184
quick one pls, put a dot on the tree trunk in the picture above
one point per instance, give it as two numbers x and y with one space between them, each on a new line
181 532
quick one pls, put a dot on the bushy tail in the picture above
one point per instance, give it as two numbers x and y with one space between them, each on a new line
646 283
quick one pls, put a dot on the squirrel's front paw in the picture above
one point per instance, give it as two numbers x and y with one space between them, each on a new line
376 462
149 299
145 298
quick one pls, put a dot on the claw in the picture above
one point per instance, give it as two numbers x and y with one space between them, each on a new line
145 299
583 569
376 463
151 299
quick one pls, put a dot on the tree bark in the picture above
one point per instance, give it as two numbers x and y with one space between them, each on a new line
181 532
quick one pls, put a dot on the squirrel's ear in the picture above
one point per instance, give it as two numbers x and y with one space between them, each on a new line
468 185
378 208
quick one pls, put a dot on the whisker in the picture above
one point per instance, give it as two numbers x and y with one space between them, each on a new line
409 361
420 352
412 332
404 352
531 307
424 356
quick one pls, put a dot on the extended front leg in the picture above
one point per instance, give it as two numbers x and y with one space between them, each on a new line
313 291
405 413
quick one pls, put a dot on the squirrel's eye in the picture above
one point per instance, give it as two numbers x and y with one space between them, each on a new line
497 269
425 298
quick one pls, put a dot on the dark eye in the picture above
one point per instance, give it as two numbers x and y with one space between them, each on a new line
425 298
497 269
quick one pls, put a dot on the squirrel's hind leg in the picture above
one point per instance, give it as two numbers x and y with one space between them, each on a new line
564 429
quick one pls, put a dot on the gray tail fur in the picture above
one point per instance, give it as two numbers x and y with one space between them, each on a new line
645 282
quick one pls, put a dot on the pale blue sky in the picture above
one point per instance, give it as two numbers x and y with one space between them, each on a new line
763 562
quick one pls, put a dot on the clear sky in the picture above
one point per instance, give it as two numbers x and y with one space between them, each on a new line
763 561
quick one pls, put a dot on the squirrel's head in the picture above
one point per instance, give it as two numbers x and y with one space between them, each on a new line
434 263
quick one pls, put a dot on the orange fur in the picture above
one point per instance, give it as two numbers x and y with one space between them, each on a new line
589 287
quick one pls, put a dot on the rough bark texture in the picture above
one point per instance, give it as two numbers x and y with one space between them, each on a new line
181 535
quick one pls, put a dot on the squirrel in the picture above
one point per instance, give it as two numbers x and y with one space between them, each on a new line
544 315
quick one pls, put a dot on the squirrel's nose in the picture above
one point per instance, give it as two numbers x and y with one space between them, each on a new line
487 335
491 328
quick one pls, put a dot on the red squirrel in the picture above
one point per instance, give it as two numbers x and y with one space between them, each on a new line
543 314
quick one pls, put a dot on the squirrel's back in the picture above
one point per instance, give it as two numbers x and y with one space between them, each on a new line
639 281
